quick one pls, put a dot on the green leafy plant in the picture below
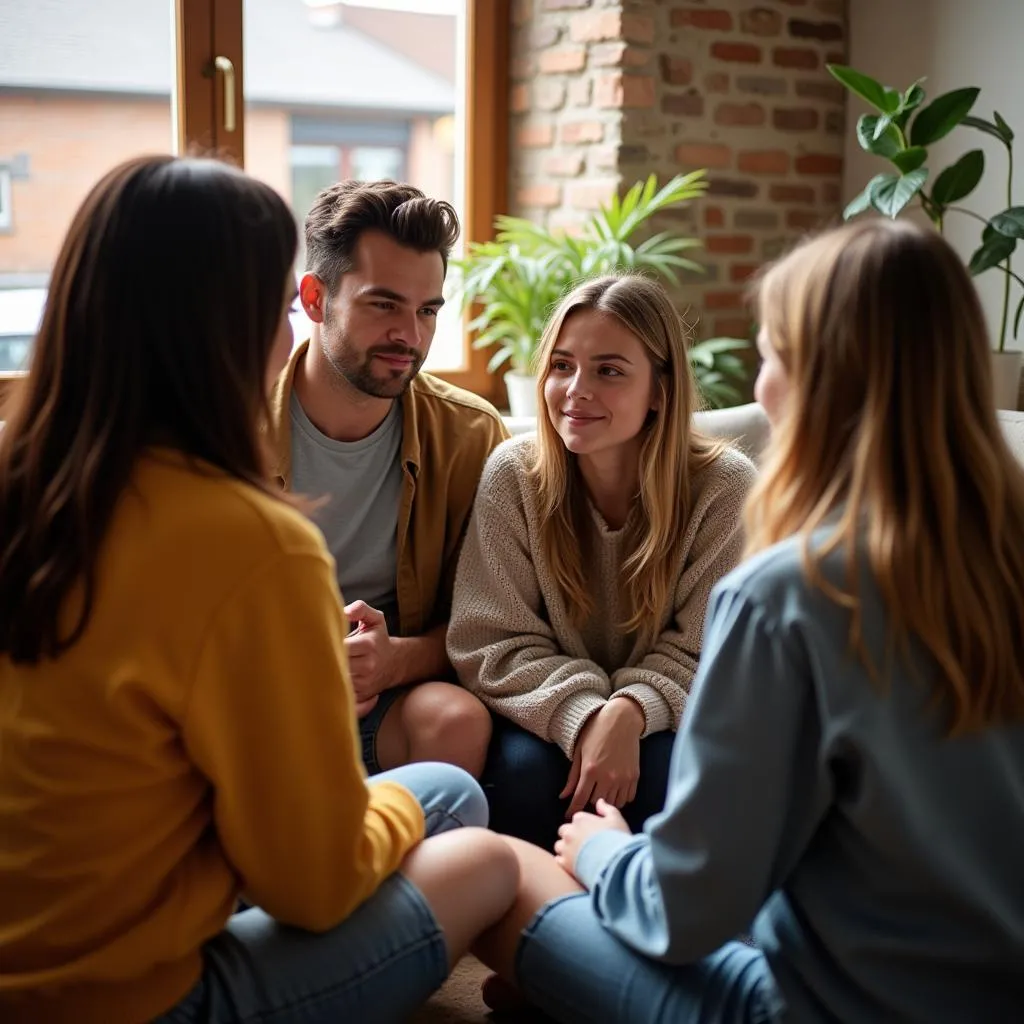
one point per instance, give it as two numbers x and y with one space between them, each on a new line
516 280
902 132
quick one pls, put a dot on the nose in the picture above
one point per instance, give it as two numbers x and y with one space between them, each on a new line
407 331
578 387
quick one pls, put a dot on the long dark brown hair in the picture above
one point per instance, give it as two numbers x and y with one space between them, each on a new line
162 310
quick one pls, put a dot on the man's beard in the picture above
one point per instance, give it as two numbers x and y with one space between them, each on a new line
359 371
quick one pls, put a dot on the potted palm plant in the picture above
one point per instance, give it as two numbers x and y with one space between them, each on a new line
901 132
517 279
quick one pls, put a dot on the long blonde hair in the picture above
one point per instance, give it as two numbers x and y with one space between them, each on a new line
890 426
671 451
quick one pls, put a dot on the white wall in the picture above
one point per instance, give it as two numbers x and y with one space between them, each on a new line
955 44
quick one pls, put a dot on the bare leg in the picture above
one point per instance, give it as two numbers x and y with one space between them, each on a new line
468 877
540 880
435 722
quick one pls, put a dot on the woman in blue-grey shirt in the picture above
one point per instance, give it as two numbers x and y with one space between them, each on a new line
848 783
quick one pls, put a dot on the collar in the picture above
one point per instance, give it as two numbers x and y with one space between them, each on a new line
279 432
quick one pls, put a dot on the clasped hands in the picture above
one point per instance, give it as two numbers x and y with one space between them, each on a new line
371 655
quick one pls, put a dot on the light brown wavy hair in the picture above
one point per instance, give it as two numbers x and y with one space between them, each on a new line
671 452
890 426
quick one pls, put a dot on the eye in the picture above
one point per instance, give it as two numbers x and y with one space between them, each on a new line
429 311
560 365
611 371
384 304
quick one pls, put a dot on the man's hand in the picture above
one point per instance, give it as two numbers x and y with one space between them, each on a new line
371 656
575 833
606 762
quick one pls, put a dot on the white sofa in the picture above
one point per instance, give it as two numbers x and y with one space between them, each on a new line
747 427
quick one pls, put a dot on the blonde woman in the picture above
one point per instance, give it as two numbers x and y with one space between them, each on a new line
850 773
583 582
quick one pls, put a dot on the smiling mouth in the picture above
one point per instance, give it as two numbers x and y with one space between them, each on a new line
576 417
398 361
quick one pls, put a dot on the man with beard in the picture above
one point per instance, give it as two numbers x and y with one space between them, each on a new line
396 455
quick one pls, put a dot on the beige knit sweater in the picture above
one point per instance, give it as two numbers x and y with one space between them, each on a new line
510 637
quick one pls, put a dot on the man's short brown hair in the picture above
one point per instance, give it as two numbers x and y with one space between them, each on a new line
342 213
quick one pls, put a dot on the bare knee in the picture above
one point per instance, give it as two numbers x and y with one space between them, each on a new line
444 722
469 877
540 880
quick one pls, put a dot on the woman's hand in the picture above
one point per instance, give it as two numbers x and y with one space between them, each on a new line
606 762
574 834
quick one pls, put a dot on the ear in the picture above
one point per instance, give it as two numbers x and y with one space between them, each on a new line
313 296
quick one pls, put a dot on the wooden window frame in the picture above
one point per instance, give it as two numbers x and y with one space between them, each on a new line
206 29
486 125
487 128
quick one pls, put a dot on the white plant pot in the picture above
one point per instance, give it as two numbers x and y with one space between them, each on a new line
522 393
1006 367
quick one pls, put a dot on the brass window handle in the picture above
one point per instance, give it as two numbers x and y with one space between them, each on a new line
224 65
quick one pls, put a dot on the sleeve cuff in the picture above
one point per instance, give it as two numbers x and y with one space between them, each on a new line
400 805
599 851
570 716
657 713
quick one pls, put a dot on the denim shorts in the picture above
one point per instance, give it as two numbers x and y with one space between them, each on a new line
375 967
370 723
571 966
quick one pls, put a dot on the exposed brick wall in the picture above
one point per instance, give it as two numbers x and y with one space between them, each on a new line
606 91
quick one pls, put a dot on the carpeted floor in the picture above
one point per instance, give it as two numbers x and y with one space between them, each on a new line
459 1002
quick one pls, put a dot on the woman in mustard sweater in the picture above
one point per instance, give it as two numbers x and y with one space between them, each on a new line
176 722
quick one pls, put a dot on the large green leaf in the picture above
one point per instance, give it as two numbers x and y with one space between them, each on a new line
941 116
884 100
885 143
910 159
1016 319
959 180
890 193
1010 222
995 249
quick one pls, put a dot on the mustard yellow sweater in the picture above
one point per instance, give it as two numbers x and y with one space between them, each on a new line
199 741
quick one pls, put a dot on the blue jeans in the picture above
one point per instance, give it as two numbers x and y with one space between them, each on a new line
379 964
524 775
571 967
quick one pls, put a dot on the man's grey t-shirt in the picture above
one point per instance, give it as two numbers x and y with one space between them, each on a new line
362 483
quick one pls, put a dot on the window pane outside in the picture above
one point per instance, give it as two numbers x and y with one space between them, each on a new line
83 86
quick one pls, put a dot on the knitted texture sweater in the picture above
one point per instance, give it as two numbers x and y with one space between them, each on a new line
511 637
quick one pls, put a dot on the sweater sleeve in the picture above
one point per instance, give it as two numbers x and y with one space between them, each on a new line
745 798
499 642
660 682
272 725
